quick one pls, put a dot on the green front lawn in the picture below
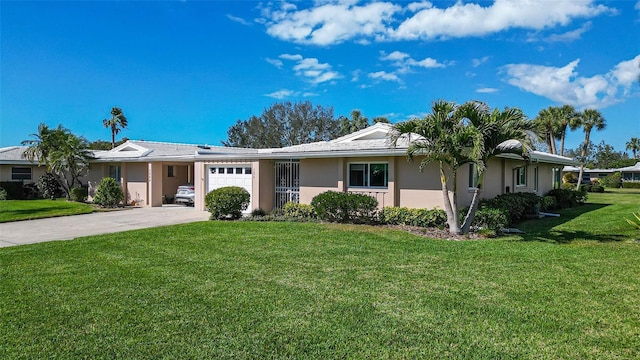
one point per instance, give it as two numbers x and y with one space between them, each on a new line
15 210
294 290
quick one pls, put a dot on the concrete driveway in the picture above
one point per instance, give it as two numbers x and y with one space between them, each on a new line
70 227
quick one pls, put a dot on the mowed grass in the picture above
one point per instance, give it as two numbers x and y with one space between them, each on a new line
15 210
315 291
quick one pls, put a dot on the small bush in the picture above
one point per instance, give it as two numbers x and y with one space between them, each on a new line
612 180
492 219
108 194
79 194
227 202
258 212
569 178
393 215
631 184
566 198
345 207
548 203
568 186
31 191
517 205
300 211
14 189
596 189
3 194
49 186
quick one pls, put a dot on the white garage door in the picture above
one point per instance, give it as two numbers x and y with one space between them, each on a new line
221 175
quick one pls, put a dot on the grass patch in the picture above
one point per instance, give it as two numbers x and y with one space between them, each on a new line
316 291
15 210
600 220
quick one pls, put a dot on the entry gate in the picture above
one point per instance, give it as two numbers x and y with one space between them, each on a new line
287 182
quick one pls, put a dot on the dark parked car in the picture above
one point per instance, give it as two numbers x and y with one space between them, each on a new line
185 195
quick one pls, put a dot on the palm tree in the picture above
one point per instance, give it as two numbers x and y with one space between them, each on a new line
117 122
547 126
456 135
634 146
65 155
589 119
566 116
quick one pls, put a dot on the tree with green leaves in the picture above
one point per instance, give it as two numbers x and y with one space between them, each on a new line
65 155
116 123
284 124
453 136
589 119
566 117
547 126
634 146
357 122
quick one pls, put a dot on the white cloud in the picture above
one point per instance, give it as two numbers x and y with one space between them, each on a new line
404 63
275 62
332 22
637 6
281 94
311 69
383 75
564 85
570 35
487 90
238 20
477 62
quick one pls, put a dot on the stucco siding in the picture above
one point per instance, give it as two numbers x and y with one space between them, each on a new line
418 189
264 182
36 172
136 183
317 176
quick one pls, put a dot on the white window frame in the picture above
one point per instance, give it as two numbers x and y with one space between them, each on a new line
367 177
21 176
518 176
535 179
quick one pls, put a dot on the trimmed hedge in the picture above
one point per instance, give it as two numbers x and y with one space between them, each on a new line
392 215
300 211
492 219
79 194
631 184
227 202
566 198
342 207
517 205
49 186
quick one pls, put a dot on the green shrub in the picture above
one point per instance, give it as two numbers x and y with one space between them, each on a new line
79 194
585 187
345 207
569 178
14 189
631 184
393 215
227 202
492 219
299 211
108 194
566 198
568 186
548 203
612 180
258 212
517 205
31 191
49 186
596 188
3 194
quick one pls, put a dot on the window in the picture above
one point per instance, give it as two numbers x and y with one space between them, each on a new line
170 171
212 170
521 176
556 178
535 178
230 170
247 170
473 175
115 171
20 173
369 175
238 170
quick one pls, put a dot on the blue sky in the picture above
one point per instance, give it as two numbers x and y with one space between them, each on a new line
185 71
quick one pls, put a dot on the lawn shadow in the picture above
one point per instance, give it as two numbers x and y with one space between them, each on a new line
543 229
37 210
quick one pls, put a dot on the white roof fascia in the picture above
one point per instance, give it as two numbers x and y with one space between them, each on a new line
378 127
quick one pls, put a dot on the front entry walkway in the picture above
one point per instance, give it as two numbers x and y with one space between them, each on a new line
71 227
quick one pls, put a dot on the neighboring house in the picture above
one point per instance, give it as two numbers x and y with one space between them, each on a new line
630 173
14 167
363 162
589 174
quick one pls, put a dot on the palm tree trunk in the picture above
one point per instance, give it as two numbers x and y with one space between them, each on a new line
450 209
475 201
562 143
583 153
113 139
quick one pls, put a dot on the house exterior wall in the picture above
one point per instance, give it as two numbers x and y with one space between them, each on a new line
263 184
92 180
136 183
418 189
180 177
318 176
36 172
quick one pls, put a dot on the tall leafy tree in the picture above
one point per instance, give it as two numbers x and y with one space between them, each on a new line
355 123
589 119
634 146
566 117
453 136
116 123
284 124
547 127
65 155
